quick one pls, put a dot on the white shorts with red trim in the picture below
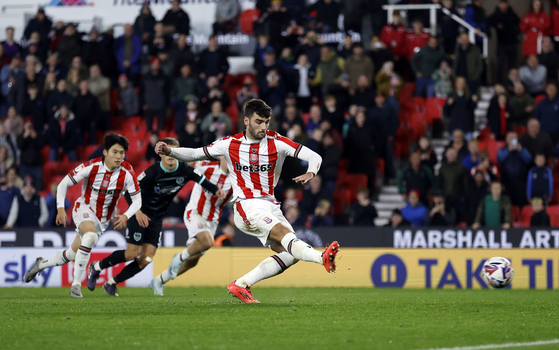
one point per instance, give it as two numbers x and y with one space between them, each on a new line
83 212
257 217
195 224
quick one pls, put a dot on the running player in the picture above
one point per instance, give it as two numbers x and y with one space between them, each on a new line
159 184
105 181
201 218
254 159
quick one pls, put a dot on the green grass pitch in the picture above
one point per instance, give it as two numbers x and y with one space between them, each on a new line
288 318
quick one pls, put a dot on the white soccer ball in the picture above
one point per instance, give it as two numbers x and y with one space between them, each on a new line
497 272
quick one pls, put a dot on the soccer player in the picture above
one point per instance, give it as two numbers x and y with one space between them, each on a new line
201 217
254 159
159 184
105 179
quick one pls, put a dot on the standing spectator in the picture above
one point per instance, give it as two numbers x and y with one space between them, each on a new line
540 180
312 195
310 45
535 24
416 177
246 93
314 120
273 21
226 12
475 193
190 136
467 62
321 217
549 59
54 66
415 40
7 195
289 118
363 212
547 112
328 70
10 75
272 89
176 20
212 93
87 112
40 24
34 107
426 153
9 141
11 48
344 51
472 159
5 162
490 171
327 13
394 36
475 16
512 79
180 53
154 93
499 116
439 213
212 61
424 63
14 122
262 46
414 211
73 82
385 121
459 108
363 95
537 141
522 106
4 59
128 50
128 103
30 144
448 26
397 220
22 82
144 23
332 114
358 64
216 124
514 160
533 75
453 180
360 141
184 85
379 53
100 87
389 83
303 78
540 217
50 200
494 210
29 209
63 134
161 41
330 157
92 52
506 23
69 46
441 77
150 155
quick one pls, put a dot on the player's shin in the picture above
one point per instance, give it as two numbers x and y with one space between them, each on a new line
300 250
116 257
128 272
269 267
60 258
82 256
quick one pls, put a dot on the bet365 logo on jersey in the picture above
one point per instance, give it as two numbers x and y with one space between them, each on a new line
254 168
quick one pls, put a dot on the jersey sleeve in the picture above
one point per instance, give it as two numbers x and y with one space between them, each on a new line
288 147
131 184
296 150
145 178
209 152
80 172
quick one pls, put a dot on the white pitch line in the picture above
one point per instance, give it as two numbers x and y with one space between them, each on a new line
501 346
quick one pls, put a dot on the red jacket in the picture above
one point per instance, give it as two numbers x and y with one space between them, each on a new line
394 38
414 42
534 27
555 22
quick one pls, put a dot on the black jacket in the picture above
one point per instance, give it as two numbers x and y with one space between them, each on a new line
461 114
474 195
494 116
72 134
155 91
363 216
36 110
56 100
329 168
31 149
179 19
509 23
360 149
86 109
540 219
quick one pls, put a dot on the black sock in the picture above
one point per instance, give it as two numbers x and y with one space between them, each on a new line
129 271
115 258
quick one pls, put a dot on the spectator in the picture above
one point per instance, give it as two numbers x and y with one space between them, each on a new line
37 48
453 180
394 36
424 63
50 201
14 122
190 136
363 212
540 180
490 171
11 48
269 63
9 140
533 75
459 108
180 54
540 217
226 12
555 22
87 112
58 98
105 57
467 62
448 26
534 25
216 124
331 113
506 23
475 193
397 220
385 122
34 107
184 85
475 16
360 141
328 70
364 95
7 195
40 24
150 155
327 13
246 93
262 46
73 82
4 59
13 179
212 61
63 134
344 51
499 116
54 66
69 46
321 217
48 88
128 103
512 80
426 153
416 177
192 113
315 141
357 65
272 89
30 144
56 34
310 45
549 59
441 77
414 211
213 93
144 23
176 20
312 195
522 106
290 199
100 87
415 40
160 41
155 90
379 53
439 213
537 141
547 112
330 157
303 78
128 50
494 210
273 21
6 162
21 83
28 208
389 83
514 160
293 215
9 77
289 119
472 159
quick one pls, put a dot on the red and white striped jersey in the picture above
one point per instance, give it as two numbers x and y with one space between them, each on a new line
203 202
102 188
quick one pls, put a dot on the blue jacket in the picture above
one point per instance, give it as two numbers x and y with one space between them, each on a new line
540 182
135 63
547 112
6 198
415 216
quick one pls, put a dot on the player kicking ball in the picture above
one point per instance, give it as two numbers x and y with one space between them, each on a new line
254 159
201 218
105 179
159 184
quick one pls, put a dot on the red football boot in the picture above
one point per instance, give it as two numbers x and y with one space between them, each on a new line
329 257
243 294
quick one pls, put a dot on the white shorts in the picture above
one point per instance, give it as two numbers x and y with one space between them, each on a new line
195 224
83 212
257 217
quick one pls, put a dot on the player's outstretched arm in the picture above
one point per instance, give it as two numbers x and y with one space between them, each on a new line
60 198
121 220
187 154
314 159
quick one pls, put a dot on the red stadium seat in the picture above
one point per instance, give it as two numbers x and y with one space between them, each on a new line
553 212
519 129
419 103
248 17
526 214
539 99
516 213
380 165
342 199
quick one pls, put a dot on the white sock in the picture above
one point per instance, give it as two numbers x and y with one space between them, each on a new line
82 258
165 276
111 281
60 258
97 266
269 267
300 250
185 254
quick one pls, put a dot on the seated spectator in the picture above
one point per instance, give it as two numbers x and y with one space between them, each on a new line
184 85
416 177
537 141
426 153
471 159
176 20
513 79
128 51
522 105
58 98
363 212
379 53
287 60
476 191
388 82
29 209
494 210
540 180
540 217
344 50
315 141
192 112
14 180
87 112
423 64
5 161
330 157
30 144
468 62
533 75
213 93
190 136
499 116
441 77
313 193
397 220
290 199
69 45
54 66
322 217
453 180
459 145
154 93
63 135
514 160
226 12
150 155
246 93
77 65
34 107
14 122
364 95
272 89
49 87
459 108
328 70
549 59
289 118
414 211
331 113
216 124
314 120
439 213
293 215
547 112
212 61
415 40
357 65
50 201
128 103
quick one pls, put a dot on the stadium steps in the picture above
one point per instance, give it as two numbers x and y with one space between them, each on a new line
388 200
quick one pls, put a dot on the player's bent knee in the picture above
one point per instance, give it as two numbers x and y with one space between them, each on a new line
89 239
132 251
205 239
145 260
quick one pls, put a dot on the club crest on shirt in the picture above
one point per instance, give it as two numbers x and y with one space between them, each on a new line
200 225
78 168
137 236
141 176
253 158
105 183
180 180
85 215
267 220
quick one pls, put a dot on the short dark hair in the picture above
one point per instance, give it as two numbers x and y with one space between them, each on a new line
256 106
113 139
171 141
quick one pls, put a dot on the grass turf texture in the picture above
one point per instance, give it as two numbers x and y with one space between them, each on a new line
288 318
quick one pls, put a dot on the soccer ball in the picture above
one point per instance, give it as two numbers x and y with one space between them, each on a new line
497 272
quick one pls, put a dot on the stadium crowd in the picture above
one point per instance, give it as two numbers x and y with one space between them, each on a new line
358 108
